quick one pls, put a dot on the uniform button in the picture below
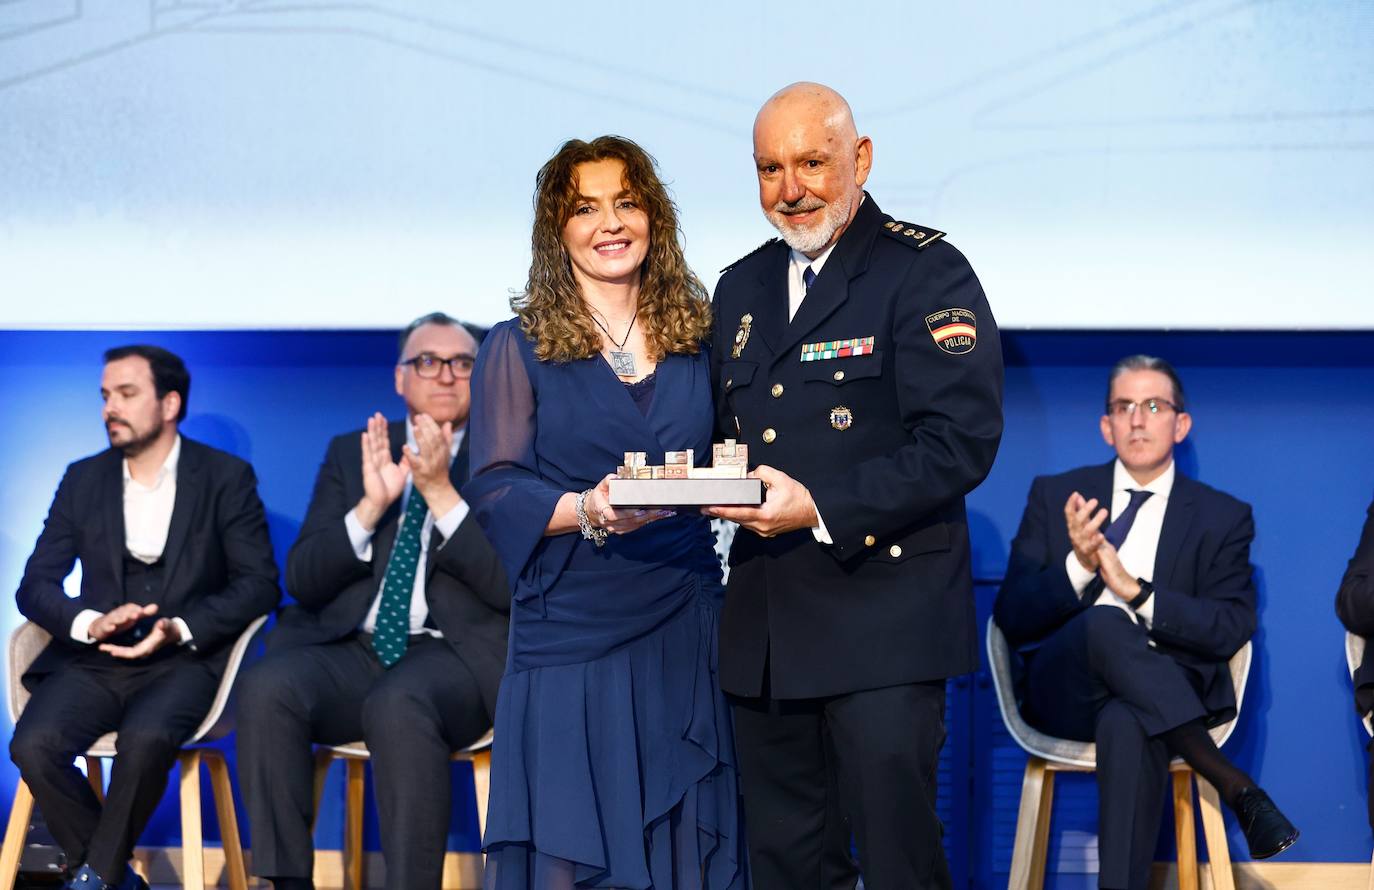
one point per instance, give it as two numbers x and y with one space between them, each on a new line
769 435
869 540
839 375
776 390
894 551
728 382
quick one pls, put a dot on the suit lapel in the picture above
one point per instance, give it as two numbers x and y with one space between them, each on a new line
1178 518
831 289
1099 486
457 474
112 509
458 468
183 507
770 314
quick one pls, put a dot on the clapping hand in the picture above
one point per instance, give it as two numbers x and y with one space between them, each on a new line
429 463
1085 522
164 633
383 478
1119 581
121 618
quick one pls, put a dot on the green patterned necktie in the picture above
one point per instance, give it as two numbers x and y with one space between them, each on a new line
392 632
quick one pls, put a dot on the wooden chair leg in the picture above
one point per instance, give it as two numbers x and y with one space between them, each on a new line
21 812
353 825
1214 831
95 775
192 838
228 820
1185 834
324 758
1032 827
481 784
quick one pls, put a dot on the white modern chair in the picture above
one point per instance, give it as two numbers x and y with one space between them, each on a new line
26 642
1050 755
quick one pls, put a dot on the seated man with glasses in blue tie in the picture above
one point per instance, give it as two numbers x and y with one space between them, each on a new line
398 633
1127 590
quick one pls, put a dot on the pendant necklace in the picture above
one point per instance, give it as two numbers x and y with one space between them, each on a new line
622 362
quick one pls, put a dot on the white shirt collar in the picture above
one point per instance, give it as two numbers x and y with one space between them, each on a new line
168 470
800 260
1160 486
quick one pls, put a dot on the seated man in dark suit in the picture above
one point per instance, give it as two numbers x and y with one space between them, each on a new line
1355 608
398 633
1127 590
175 563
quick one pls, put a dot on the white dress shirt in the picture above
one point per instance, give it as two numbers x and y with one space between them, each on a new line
1138 551
447 524
147 519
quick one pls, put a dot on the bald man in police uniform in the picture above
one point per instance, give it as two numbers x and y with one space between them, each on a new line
859 361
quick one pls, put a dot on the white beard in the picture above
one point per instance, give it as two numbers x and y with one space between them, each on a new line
814 238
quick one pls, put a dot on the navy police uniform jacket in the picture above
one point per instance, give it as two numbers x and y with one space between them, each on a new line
883 396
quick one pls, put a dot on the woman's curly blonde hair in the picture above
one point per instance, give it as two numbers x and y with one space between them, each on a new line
674 307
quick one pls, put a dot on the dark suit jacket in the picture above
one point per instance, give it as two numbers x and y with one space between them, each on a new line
891 600
1355 608
219 573
1204 588
465 585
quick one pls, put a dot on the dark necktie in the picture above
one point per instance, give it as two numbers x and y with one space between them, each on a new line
1115 533
1120 527
808 277
392 632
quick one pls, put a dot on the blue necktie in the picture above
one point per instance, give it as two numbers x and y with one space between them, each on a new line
1115 533
1120 527
392 633
808 277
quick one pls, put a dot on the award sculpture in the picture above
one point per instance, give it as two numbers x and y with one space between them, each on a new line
678 482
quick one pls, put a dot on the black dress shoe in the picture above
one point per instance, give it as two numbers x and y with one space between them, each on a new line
86 879
1266 830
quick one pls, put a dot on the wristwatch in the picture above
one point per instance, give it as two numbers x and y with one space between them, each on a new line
1146 591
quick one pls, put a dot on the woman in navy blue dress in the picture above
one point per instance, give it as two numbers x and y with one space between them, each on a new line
614 760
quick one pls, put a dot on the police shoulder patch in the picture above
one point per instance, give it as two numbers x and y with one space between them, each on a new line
912 234
748 255
954 330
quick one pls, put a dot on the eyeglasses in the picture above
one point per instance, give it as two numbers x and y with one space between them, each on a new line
1124 408
430 366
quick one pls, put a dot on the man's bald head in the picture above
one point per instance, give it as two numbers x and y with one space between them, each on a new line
814 102
811 164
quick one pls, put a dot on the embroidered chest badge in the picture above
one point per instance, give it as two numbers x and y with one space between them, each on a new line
954 330
814 352
746 321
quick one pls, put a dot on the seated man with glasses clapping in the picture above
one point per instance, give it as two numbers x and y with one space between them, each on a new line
398 633
1128 588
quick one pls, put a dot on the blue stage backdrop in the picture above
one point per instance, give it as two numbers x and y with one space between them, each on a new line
1282 420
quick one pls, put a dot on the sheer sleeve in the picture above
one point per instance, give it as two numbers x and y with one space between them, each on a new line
511 500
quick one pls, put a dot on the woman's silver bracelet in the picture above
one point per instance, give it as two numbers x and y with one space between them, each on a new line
595 535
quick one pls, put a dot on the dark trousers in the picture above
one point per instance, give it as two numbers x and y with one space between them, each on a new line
412 717
154 706
816 771
1097 679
